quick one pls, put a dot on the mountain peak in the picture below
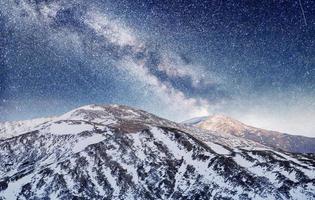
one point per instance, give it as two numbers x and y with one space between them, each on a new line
86 118
223 123
222 118
118 152
99 112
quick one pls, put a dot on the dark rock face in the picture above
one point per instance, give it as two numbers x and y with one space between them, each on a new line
104 158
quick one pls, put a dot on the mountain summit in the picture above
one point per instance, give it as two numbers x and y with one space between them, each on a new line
223 124
227 125
118 152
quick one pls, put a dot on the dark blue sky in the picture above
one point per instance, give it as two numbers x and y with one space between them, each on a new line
253 60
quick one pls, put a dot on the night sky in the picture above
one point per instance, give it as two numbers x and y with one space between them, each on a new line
252 60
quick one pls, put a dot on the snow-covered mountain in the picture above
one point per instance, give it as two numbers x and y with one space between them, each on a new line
117 152
226 125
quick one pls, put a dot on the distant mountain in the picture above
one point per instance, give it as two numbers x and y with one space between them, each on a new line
226 125
118 152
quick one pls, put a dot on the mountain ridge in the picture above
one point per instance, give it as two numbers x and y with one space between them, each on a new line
227 125
117 152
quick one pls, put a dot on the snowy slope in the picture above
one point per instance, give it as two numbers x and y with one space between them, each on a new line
116 152
13 128
226 125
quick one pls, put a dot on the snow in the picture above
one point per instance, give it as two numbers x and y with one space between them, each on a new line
286 157
242 161
112 181
263 172
223 124
306 169
169 143
15 187
290 175
129 157
66 128
83 143
14 128
74 113
201 167
138 145
93 175
219 149
91 107
179 176
300 193
133 113
224 139
180 153
124 162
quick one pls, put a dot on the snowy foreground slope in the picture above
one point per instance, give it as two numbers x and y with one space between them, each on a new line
116 152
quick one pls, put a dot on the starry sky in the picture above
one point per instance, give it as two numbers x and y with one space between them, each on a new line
251 60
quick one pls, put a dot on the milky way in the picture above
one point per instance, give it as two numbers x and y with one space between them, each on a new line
252 60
